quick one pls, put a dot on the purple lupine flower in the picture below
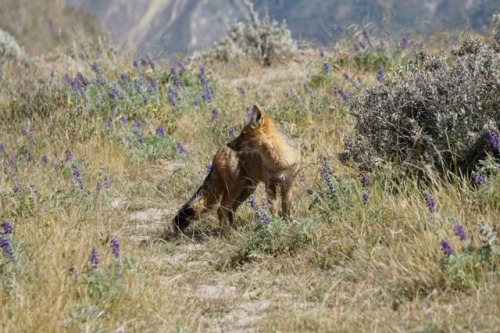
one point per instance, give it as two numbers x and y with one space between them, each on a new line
362 45
144 62
137 84
380 74
45 160
326 67
181 66
240 90
325 174
431 203
115 247
233 131
405 43
459 231
160 132
24 131
7 227
82 79
124 120
137 124
154 83
365 34
215 114
343 94
172 96
346 76
202 76
251 202
446 248
135 63
321 54
366 198
175 77
478 178
77 177
107 182
94 258
95 68
113 94
124 77
495 141
365 180
181 148
356 48
69 155
208 95
6 246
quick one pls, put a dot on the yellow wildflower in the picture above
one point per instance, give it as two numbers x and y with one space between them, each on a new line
48 223
294 125
149 71
391 69
310 122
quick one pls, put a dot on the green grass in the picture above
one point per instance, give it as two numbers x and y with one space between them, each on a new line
340 265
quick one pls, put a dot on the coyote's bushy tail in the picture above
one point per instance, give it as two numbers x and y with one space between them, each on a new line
204 198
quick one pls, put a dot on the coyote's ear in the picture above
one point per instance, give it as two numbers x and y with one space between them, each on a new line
258 116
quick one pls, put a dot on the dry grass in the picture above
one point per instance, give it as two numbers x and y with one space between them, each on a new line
342 266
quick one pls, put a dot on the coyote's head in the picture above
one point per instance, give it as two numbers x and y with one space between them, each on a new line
254 133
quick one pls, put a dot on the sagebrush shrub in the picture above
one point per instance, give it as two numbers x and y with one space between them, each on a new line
9 48
265 40
438 113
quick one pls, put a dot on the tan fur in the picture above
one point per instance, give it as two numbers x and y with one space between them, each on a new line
280 157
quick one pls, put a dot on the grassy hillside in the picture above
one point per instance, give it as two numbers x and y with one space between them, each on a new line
41 26
95 163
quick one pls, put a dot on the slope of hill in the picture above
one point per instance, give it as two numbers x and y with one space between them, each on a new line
185 25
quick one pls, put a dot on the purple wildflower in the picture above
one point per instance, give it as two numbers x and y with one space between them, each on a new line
2 148
124 120
215 114
321 54
478 178
325 174
6 246
495 141
107 182
144 62
69 155
45 159
405 43
365 180
251 202
431 203
366 198
446 248
77 177
326 67
175 77
208 94
346 76
172 96
181 148
154 83
362 45
7 227
135 63
160 131
302 177
343 94
95 68
124 77
115 247
137 124
459 231
365 34
24 131
113 94
202 76
94 258
380 74
233 131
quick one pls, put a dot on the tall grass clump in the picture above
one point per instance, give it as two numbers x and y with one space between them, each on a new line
440 112
265 41
9 48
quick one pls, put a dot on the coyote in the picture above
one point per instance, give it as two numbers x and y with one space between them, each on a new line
261 153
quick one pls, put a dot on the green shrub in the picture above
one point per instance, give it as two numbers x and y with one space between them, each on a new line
439 113
265 41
